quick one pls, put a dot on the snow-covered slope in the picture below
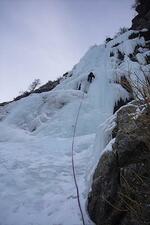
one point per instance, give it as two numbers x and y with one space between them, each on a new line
36 185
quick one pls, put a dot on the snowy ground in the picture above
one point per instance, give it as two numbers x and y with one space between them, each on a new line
36 181
37 185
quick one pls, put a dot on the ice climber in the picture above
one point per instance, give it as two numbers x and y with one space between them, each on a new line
91 76
79 88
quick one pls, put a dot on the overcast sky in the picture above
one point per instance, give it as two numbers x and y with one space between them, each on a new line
45 38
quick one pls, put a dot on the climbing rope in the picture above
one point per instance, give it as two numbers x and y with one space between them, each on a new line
73 164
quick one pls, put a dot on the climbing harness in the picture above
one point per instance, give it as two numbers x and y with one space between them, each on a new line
73 164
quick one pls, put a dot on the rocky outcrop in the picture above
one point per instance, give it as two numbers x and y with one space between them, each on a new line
120 192
142 20
50 85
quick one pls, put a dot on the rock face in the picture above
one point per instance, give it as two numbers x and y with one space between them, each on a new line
142 20
120 192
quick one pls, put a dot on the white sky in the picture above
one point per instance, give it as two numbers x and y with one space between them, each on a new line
45 38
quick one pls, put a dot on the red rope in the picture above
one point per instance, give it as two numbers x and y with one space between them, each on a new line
73 164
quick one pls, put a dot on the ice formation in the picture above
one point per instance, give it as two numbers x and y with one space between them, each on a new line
36 185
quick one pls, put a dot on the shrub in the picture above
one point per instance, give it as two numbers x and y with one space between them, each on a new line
133 57
23 95
126 84
122 30
120 55
141 87
136 50
112 54
65 74
108 39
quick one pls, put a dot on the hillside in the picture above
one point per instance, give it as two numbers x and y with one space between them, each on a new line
36 132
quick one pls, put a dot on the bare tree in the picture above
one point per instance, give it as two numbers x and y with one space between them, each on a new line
141 87
34 85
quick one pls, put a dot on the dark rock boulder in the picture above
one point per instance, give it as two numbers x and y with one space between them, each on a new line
142 20
120 192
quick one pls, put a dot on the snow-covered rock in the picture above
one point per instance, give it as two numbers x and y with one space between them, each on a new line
121 178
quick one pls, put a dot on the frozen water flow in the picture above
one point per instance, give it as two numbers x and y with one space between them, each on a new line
36 185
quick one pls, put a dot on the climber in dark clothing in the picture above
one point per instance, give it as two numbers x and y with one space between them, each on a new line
91 76
79 88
